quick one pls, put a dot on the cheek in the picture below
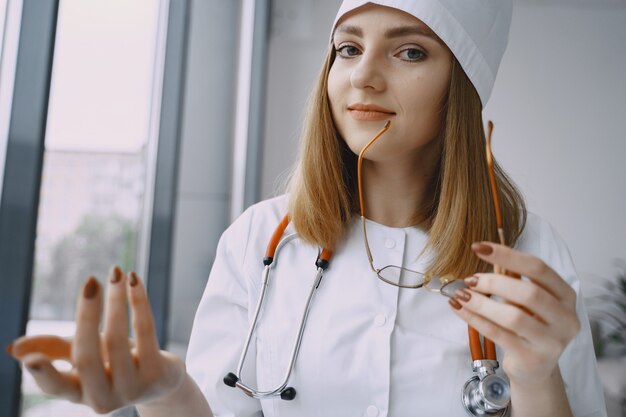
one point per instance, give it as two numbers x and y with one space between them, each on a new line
424 93
334 90
423 101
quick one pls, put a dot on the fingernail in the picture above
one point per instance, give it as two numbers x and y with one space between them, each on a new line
133 279
482 248
471 281
10 349
463 295
34 367
91 288
455 304
116 275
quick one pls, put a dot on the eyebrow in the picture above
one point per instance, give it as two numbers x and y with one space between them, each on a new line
396 32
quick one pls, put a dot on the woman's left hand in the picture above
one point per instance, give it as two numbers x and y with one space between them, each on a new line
535 320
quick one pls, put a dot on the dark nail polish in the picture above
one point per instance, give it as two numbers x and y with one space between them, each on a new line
10 349
482 248
116 275
133 279
455 304
463 295
471 281
91 288
34 367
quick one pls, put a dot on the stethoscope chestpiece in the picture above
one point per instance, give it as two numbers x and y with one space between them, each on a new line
486 394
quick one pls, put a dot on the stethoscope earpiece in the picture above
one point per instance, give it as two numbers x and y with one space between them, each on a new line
288 394
231 379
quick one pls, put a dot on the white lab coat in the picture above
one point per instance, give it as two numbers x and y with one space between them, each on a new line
369 348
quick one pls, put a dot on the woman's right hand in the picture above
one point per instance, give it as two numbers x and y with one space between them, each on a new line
110 371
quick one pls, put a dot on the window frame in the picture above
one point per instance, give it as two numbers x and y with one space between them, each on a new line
23 169
21 184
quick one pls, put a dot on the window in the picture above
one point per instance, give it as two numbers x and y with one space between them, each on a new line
99 150
9 31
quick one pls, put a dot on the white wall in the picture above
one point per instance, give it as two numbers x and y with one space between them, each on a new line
559 107
299 34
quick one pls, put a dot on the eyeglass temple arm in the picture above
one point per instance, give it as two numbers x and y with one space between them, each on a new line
490 347
360 185
494 186
476 347
367 246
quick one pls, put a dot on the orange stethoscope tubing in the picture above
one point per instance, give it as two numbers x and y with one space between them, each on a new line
324 256
474 336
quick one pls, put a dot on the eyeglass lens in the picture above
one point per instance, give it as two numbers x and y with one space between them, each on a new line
402 277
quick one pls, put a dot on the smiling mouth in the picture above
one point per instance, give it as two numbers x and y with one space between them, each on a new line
370 115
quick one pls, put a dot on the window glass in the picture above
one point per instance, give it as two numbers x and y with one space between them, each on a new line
9 30
3 11
98 152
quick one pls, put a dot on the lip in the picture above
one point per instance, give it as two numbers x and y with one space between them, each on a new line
369 108
369 112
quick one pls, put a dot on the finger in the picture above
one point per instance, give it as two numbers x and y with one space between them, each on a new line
527 265
121 364
506 316
53 347
86 350
143 322
535 299
508 340
50 380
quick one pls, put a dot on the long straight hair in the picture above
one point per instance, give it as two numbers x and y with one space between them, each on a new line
458 207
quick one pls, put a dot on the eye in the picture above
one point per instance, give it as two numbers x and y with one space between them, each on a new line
348 51
412 55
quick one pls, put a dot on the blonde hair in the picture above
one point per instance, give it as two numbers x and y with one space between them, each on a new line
459 208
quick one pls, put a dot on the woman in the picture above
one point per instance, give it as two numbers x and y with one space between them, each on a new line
369 347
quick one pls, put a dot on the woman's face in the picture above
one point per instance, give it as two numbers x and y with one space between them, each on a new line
387 68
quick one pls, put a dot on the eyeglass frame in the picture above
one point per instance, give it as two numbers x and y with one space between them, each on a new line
445 279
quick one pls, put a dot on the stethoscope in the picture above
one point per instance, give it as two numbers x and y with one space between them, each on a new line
484 394
269 262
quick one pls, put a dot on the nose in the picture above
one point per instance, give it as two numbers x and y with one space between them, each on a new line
368 74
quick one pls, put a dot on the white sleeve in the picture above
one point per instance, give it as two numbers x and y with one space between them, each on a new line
221 325
578 361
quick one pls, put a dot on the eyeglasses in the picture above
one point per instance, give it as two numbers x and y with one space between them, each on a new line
391 274
496 201
405 277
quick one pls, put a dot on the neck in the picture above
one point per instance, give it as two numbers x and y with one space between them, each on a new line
394 191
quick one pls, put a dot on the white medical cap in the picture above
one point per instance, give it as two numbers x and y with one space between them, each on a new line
476 31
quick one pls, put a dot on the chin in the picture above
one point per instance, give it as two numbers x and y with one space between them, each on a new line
357 136
357 141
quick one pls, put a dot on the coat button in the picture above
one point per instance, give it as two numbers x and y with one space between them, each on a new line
372 411
380 320
390 243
